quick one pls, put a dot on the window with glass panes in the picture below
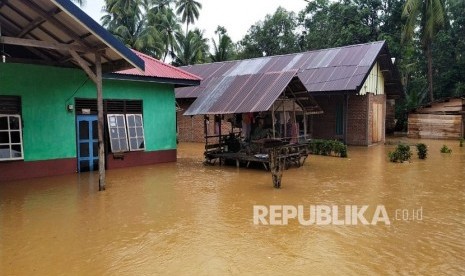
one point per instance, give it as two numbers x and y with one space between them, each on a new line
11 142
11 138
135 127
117 132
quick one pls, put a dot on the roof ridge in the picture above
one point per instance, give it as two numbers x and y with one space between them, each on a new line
290 54
167 65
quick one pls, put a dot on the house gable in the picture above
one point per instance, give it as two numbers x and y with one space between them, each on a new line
374 82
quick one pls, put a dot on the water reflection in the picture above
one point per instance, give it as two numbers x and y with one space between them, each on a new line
187 218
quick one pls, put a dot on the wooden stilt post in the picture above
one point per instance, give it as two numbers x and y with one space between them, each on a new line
205 128
294 121
277 164
284 120
273 118
219 128
305 125
101 151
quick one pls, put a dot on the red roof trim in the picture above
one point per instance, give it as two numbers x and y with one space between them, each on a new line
157 69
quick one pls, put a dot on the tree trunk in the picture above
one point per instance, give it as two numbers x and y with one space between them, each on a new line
429 56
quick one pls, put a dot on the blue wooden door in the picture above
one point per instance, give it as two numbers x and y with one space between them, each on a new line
87 142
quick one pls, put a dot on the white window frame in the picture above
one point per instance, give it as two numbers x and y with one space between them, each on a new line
135 131
11 144
110 127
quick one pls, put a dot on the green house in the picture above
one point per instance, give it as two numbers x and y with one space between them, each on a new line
48 104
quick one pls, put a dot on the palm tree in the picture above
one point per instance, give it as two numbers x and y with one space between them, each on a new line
126 21
160 6
189 11
168 27
122 6
203 46
192 48
429 16
224 49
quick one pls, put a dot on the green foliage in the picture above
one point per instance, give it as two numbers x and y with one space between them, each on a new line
333 24
189 11
422 151
401 154
461 142
224 49
327 148
445 149
192 48
432 17
138 26
275 35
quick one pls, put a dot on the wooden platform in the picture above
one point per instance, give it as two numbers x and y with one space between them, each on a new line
238 157
294 155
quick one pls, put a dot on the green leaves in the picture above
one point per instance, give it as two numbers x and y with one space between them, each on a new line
224 49
152 27
401 154
327 148
275 35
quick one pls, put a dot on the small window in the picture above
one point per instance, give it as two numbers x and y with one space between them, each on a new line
11 142
117 131
135 131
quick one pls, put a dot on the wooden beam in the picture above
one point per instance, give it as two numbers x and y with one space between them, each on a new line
43 44
35 7
84 66
101 143
305 126
32 25
273 119
12 29
49 16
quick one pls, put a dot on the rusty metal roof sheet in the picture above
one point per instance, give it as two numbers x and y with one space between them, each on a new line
241 93
254 84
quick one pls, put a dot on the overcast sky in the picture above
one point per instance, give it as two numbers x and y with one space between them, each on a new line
236 15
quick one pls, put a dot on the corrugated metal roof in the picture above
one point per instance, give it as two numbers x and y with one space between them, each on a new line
60 22
240 94
157 70
224 88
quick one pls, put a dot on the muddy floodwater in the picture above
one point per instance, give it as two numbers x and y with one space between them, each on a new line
185 218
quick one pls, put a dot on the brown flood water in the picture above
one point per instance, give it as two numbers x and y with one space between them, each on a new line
190 219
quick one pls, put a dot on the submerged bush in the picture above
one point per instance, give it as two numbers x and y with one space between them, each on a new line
422 150
401 154
445 149
327 148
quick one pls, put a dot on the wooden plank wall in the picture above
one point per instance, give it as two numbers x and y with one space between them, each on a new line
435 126
450 106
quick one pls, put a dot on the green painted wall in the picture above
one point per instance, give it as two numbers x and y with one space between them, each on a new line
49 130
